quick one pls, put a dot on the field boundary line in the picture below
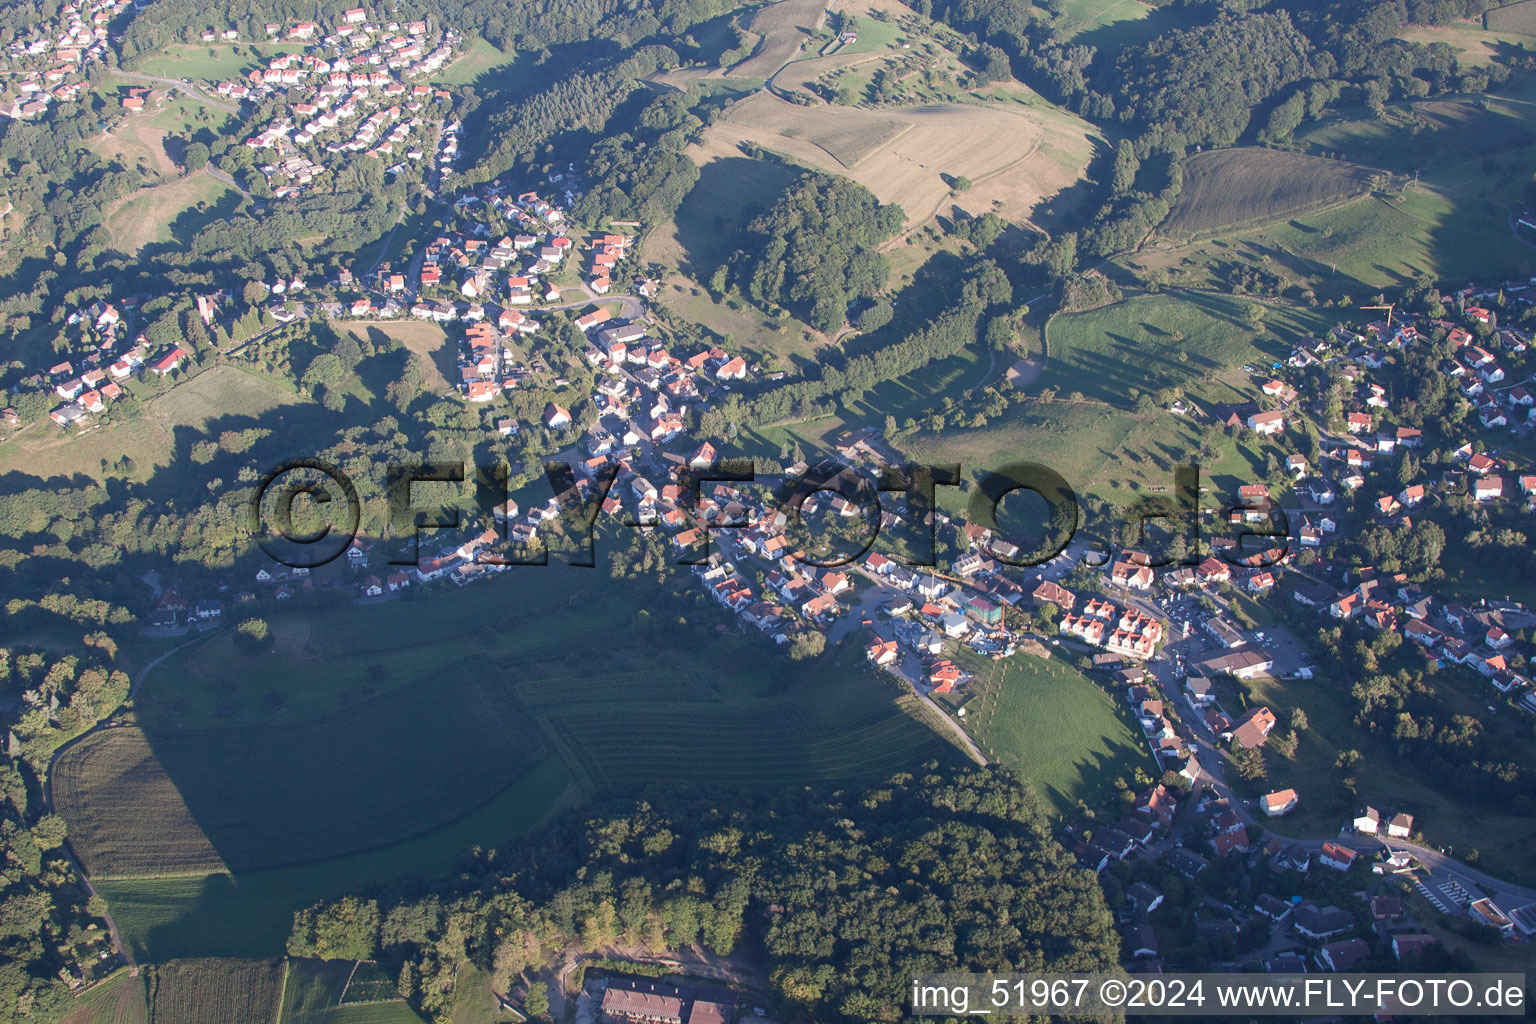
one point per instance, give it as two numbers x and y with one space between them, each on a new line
341 998
282 993
567 753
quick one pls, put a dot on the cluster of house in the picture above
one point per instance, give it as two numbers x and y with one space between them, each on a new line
1478 637
639 1001
171 609
447 147
642 384
350 92
1483 378
948 611
606 254
1120 631
1369 823
510 271
1168 747
108 359
47 63
1319 930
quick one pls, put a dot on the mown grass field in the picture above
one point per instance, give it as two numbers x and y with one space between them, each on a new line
394 1012
311 988
1516 17
161 212
1174 339
205 990
220 394
1048 721
1474 44
479 59
473 1000
314 989
214 62
1082 16
1228 187
427 340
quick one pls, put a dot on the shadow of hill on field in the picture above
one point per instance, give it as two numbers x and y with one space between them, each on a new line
729 193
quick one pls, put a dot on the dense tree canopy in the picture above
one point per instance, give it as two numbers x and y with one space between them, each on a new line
816 250
851 893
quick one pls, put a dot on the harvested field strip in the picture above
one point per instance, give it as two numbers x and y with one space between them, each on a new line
759 745
1231 187
847 134
146 216
402 764
783 27
92 779
1014 157
208 991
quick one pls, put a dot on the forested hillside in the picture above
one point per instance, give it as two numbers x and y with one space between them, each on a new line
849 893
816 250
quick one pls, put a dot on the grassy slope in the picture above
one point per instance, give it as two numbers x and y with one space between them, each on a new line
1247 184
1054 725
220 396
213 62
1471 156
160 213
1170 340
1097 442
834 723
1082 16
479 59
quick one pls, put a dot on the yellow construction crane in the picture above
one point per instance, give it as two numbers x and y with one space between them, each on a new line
1389 308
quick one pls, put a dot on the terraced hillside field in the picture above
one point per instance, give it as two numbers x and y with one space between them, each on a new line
371 725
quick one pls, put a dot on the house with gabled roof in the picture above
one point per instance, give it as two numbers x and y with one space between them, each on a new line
1253 728
1282 801
1336 856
